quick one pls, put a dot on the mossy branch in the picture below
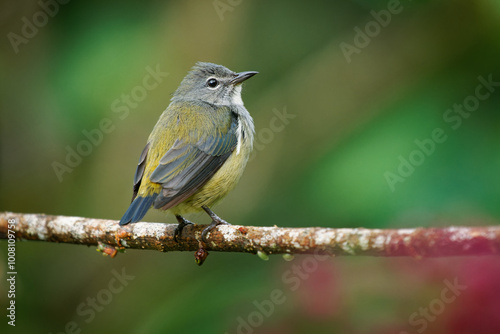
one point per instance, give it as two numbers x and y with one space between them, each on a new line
414 242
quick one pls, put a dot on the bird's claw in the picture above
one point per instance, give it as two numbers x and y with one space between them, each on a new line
182 223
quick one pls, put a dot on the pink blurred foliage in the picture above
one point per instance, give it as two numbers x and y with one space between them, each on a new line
478 309
319 296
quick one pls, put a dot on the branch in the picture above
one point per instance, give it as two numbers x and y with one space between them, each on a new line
415 242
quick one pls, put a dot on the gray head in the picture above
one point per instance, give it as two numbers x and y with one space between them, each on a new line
212 83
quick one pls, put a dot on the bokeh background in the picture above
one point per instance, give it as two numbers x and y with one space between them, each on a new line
351 115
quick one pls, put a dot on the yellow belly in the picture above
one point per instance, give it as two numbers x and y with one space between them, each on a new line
223 181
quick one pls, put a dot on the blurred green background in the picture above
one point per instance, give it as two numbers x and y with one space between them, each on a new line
352 116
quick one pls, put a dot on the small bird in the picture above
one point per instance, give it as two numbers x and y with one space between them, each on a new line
198 148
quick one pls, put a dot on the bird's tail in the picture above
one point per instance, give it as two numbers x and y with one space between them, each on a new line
137 209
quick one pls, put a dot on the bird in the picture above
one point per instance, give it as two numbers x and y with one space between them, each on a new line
197 150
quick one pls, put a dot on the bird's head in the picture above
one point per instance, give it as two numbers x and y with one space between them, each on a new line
213 84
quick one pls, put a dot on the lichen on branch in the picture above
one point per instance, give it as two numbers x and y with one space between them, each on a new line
414 242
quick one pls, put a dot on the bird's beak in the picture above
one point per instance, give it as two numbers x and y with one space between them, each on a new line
242 76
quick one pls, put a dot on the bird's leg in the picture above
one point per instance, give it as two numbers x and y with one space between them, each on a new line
182 223
216 220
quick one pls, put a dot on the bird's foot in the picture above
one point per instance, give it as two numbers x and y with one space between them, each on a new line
182 223
216 220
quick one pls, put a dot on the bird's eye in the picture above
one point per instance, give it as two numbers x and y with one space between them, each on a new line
212 83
